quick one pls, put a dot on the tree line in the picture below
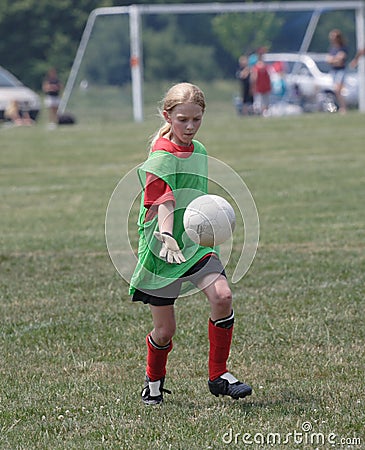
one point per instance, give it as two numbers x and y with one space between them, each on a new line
38 34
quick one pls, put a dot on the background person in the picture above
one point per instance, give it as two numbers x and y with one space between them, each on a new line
52 88
14 114
356 58
337 58
175 171
261 84
244 76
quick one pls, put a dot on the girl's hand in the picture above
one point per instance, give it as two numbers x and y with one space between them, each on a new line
170 250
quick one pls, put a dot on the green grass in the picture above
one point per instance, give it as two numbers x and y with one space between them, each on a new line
72 344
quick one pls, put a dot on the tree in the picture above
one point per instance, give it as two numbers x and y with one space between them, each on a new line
37 34
169 55
335 19
106 60
240 33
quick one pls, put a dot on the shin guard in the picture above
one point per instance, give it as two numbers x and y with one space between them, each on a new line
156 359
220 339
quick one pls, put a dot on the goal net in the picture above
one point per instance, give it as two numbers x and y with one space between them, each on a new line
129 56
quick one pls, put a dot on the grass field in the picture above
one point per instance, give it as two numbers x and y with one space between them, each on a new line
72 344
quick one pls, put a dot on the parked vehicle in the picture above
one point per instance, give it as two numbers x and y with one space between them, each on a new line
308 81
11 89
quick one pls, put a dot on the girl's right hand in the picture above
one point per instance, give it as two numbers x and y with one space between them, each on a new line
170 250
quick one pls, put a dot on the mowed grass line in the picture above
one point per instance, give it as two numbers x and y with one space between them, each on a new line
72 344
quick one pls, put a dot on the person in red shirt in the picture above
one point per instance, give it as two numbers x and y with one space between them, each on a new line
261 84
176 166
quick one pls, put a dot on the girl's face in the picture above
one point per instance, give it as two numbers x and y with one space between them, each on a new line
334 38
185 120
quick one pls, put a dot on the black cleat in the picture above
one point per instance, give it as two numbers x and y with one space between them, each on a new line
152 393
227 384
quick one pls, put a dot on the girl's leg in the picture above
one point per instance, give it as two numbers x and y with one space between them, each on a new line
220 323
159 344
164 323
340 98
159 341
220 332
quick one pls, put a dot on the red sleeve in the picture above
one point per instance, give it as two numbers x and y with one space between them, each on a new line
156 191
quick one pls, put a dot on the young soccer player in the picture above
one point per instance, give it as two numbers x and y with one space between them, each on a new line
173 175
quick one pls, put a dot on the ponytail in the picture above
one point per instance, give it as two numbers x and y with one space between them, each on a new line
178 94
161 132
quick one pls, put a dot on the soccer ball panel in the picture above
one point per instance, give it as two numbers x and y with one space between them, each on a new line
209 220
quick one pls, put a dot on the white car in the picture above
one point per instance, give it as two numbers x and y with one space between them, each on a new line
309 82
13 89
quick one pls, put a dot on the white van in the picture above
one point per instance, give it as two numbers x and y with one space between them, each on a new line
308 75
13 89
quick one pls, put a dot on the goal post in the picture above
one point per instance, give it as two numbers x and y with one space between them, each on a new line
134 12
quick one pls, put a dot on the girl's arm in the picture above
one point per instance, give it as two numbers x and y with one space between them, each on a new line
358 55
340 58
170 250
158 195
166 216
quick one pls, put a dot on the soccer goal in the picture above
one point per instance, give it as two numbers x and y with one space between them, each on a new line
108 73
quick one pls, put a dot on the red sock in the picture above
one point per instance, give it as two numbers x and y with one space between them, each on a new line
219 346
156 359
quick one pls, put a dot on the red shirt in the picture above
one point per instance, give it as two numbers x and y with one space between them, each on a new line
262 84
156 190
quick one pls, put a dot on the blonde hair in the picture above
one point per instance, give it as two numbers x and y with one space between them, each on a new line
177 95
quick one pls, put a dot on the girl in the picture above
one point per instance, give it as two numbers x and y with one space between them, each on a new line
52 87
244 75
337 58
168 263
261 84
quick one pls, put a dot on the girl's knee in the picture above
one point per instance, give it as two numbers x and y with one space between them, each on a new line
163 334
223 297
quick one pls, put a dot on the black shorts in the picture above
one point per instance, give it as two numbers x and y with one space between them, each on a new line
168 294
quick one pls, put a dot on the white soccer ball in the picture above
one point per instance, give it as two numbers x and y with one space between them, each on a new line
209 220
